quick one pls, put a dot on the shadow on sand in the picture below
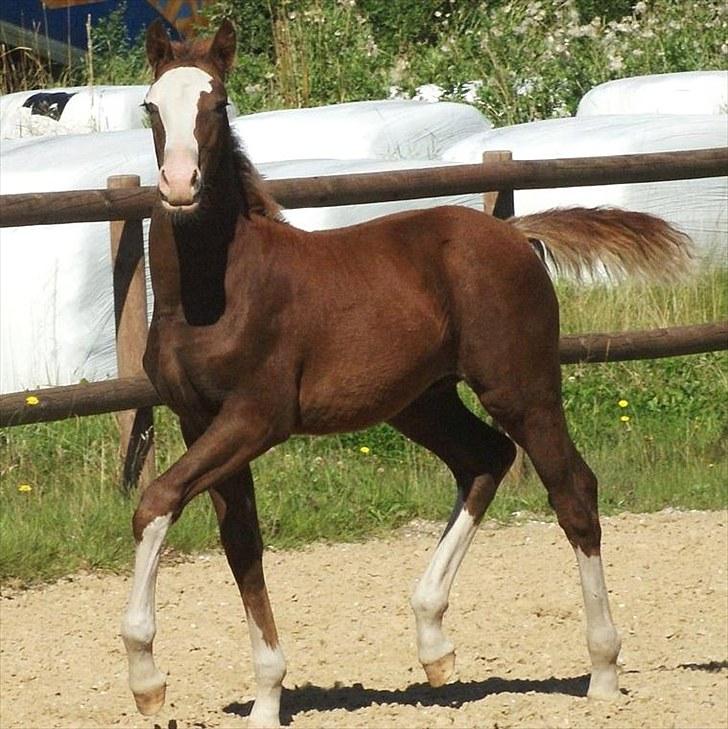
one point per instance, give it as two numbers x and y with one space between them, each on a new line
709 667
309 697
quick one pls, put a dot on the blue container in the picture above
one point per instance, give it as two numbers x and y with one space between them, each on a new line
50 27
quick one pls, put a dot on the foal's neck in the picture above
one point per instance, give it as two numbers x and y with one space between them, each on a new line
202 242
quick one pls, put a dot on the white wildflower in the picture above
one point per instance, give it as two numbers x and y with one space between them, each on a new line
429 92
525 87
470 91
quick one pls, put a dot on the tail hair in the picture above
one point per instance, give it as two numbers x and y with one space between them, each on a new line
591 243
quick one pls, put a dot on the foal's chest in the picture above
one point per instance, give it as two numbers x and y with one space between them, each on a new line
191 367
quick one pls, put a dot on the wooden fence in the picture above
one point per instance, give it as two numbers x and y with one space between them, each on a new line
125 204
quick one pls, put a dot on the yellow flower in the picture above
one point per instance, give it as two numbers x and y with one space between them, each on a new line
623 403
24 488
365 450
624 418
32 400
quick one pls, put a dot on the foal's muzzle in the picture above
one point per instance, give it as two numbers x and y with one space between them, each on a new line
180 181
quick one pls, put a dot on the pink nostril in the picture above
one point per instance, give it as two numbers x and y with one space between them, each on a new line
180 179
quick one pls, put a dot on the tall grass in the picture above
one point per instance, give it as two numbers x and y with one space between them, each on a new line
61 510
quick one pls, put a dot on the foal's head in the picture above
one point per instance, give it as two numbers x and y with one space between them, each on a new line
187 105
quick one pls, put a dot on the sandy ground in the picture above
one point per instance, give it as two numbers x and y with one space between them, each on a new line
343 614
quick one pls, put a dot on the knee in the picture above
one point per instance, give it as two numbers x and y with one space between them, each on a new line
151 506
579 522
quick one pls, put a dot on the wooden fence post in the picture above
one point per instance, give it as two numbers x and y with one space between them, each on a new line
130 309
499 204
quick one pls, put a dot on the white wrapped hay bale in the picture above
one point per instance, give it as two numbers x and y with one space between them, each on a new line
698 207
73 110
56 302
691 92
359 130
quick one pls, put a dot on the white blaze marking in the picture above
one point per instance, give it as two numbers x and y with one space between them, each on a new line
269 665
601 635
138 626
429 600
175 94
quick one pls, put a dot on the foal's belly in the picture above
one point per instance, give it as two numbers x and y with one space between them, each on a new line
355 393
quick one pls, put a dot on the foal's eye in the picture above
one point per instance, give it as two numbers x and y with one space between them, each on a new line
221 108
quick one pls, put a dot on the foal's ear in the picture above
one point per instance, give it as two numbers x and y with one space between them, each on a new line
222 48
159 47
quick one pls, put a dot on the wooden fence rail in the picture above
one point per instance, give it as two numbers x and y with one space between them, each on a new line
82 206
94 398
126 201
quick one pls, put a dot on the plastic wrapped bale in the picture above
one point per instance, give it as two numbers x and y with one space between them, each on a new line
359 130
56 302
698 207
691 92
74 110
338 216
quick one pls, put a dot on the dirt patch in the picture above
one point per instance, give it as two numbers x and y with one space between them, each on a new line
343 615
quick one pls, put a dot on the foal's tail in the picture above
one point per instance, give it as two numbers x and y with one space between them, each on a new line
583 242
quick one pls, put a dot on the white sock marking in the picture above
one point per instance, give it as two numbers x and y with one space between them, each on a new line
429 600
269 665
601 635
138 625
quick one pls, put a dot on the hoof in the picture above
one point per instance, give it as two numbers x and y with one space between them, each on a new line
150 702
256 724
604 686
439 671
263 722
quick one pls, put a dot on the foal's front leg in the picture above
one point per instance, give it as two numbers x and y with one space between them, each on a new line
240 534
240 432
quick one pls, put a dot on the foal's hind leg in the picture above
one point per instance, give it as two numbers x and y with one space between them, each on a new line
479 457
234 503
540 428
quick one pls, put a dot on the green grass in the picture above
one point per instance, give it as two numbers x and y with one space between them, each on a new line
671 452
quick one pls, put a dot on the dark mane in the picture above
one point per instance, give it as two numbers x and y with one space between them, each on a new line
252 185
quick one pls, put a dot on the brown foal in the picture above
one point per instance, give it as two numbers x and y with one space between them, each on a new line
261 331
